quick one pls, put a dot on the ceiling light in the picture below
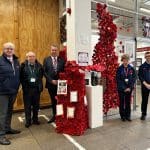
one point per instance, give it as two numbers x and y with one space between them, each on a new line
145 10
112 1
147 3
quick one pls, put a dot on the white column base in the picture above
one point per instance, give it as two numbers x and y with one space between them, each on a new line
95 105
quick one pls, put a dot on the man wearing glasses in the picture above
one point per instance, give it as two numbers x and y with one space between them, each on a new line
9 84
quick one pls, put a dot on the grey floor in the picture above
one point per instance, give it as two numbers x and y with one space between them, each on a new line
114 135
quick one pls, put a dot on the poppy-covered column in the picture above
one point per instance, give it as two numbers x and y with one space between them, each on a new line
78 28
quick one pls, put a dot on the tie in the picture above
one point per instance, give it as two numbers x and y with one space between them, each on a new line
12 63
55 63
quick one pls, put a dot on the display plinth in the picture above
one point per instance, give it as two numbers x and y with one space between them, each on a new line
95 105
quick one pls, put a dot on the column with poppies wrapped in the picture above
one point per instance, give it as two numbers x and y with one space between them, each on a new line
104 54
72 116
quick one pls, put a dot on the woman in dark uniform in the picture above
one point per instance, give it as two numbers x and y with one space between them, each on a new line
125 83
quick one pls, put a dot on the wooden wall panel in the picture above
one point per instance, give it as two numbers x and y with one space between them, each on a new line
38 28
31 25
7 22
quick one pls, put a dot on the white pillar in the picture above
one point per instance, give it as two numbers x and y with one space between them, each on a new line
78 28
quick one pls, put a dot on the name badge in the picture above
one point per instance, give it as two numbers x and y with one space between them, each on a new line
126 80
32 80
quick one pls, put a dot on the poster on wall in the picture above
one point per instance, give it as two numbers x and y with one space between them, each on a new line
146 26
130 49
62 87
83 58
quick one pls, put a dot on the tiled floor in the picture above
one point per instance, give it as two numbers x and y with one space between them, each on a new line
114 135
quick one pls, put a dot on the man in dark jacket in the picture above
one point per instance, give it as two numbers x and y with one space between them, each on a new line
53 65
144 76
31 80
9 84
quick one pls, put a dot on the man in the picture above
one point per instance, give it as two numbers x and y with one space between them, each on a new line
9 84
31 80
144 76
53 65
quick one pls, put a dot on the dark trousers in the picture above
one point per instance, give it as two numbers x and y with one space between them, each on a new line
125 104
145 95
6 110
53 93
31 99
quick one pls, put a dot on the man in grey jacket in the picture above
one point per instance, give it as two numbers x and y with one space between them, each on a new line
9 84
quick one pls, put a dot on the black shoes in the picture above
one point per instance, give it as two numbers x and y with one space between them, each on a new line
27 125
4 141
128 119
143 117
124 119
36 122
51 120
13 131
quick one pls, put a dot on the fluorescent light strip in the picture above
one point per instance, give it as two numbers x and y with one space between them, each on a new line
112 1
144 10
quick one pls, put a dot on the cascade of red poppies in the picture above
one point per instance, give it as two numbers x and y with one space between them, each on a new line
75 82
104 54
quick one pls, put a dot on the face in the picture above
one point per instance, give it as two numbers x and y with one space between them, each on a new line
54 51
31 58
8 50
125 62
147 58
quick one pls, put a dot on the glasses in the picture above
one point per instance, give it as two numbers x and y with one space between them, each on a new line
9 49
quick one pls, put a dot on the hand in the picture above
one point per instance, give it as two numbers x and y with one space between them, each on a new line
54 82
146 85
127 90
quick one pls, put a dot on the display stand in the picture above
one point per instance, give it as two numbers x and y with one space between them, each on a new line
95 105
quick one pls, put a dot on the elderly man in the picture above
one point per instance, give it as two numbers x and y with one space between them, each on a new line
31 80
53 65
9 84
144 76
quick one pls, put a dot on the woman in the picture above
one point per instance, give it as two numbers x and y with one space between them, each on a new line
125 83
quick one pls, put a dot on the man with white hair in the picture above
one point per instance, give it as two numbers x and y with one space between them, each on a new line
9 84
31 79
144 76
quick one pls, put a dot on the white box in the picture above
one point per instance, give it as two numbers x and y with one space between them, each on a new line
95 105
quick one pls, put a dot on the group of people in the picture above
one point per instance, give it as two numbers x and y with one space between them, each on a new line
126 77
29 74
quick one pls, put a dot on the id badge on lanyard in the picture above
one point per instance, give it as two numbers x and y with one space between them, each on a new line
126 74
32 80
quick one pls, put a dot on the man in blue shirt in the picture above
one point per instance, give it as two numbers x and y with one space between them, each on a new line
144 76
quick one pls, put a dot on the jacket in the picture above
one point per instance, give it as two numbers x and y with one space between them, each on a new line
25 76
9 75
144 73
122 75
49 72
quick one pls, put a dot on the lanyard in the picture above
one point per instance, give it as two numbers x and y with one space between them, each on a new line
31 70
126 70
